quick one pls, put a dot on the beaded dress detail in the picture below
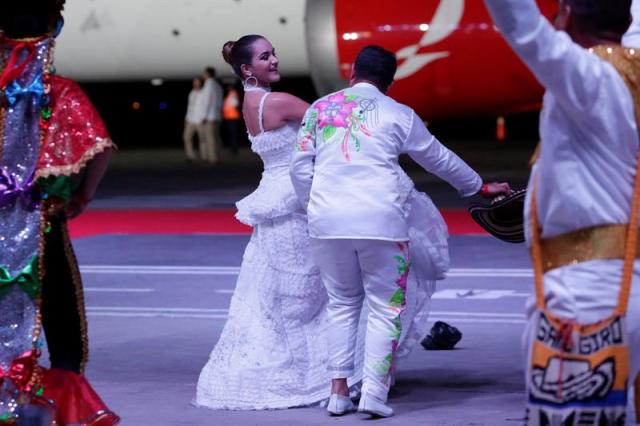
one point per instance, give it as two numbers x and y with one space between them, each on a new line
272 352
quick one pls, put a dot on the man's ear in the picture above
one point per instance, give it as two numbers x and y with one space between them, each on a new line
352 77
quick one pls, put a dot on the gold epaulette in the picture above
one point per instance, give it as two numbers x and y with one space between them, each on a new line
627 62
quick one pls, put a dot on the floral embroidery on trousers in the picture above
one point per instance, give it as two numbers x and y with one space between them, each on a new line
396 303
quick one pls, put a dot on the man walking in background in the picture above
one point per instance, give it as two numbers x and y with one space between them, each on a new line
194 119
212 92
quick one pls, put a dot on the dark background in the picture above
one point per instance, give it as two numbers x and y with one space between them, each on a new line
159 121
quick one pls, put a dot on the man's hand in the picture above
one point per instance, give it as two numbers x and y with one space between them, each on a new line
493 189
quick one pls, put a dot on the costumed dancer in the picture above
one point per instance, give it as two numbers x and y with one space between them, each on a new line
54 150
345 173
583 335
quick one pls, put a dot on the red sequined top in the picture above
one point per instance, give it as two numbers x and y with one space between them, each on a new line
75 131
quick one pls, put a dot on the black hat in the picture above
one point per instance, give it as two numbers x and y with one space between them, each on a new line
504 217
441 337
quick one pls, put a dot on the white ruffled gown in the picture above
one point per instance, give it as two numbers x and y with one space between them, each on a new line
272 352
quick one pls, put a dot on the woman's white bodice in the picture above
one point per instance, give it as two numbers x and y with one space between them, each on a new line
274 196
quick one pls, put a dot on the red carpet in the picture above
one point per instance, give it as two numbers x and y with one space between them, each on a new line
128 222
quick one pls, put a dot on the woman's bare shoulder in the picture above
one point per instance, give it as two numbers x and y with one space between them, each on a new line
287 106
285 98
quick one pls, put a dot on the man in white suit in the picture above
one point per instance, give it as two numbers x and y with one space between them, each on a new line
344 170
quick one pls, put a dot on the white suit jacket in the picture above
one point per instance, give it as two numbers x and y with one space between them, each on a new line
344 166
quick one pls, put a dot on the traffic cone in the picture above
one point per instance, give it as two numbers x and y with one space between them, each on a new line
501 130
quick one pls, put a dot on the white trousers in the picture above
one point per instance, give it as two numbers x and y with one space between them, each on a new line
352 271
210 149
191 129
588 292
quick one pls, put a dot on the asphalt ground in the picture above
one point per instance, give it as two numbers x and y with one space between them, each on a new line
156 306
157 303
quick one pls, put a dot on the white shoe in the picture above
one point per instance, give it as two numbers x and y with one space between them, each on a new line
371 405
339 405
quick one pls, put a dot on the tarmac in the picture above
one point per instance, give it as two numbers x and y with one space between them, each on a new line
157 303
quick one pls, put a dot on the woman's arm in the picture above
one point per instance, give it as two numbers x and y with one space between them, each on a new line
283 107
94 172
303 158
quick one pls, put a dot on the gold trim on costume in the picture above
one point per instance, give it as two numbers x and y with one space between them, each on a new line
627 62
611 233
36 378
70 169
598 242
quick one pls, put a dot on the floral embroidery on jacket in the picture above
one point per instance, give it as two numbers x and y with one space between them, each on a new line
340 111
335 111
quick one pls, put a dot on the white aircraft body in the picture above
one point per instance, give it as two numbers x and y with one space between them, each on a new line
110 40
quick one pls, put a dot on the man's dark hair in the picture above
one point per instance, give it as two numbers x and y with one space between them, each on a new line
376 65
29 18
601 16
210 71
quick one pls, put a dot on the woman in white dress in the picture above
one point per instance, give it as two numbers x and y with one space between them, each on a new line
272 352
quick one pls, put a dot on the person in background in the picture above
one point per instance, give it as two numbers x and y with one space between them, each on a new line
194 119
231 115
212 92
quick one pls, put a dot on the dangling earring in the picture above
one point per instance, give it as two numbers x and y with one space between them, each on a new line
250 83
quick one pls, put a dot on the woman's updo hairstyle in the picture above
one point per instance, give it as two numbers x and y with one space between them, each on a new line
239 52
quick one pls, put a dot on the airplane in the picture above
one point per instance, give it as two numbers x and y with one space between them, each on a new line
452 60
